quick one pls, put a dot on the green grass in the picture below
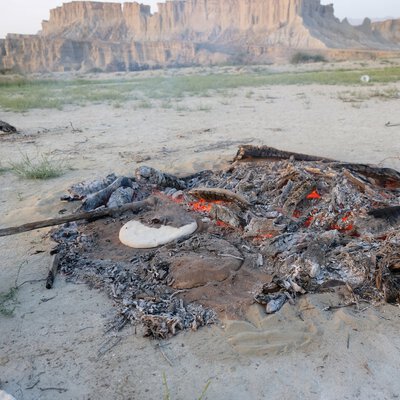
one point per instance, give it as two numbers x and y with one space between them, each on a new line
21 94
43 167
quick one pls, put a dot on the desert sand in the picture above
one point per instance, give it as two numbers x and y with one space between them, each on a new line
55 346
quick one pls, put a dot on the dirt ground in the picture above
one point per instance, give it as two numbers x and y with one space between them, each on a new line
55 346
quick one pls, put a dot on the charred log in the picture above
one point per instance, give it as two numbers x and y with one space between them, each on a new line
387 178
270 153
88 215
7 128
391 214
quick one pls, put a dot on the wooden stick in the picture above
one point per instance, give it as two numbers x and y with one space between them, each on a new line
88 215
266 152
52 271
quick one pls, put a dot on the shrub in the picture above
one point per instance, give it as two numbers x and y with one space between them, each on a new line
300 58
41 168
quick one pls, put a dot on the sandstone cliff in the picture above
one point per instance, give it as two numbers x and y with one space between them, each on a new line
83 35
389 30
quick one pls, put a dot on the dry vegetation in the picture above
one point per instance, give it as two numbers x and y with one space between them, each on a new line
41 167
355 96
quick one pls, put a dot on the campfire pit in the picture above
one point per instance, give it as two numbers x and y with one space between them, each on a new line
274 226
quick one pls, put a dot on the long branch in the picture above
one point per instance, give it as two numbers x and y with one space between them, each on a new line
88 215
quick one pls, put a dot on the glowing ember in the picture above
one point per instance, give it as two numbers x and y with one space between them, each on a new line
263 237
343 225
346 217
309 221
296 214
313 195
203 206
222 224
339 228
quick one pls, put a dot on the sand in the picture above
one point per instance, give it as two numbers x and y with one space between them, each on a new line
55 345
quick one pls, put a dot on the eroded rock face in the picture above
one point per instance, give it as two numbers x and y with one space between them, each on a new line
389 30
188 20
84 35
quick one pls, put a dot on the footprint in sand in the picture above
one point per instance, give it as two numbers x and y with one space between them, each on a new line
279 333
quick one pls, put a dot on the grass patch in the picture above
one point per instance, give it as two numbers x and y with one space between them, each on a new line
43 167
166 104
204 107
3 169
144 104
21 94
360 96
181 108
8 300
117 104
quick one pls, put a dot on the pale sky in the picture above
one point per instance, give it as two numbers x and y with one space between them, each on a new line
25 16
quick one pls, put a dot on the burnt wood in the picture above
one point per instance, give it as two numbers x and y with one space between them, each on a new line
7 128
389 213
266 152
385 177
52 271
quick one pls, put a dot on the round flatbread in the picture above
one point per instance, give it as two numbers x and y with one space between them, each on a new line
139 236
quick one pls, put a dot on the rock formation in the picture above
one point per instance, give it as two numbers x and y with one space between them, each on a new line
389 30
84 35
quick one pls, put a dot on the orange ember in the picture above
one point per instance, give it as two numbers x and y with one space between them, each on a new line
346 217
309 221
345 226
313 195
267 236
263 236
342 228
203 205
222 224
296 214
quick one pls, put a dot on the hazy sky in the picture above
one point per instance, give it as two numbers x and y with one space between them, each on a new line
25 16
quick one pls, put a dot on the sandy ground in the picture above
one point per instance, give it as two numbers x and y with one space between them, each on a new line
55 345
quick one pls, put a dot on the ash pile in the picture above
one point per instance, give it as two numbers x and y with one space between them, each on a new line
274 226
